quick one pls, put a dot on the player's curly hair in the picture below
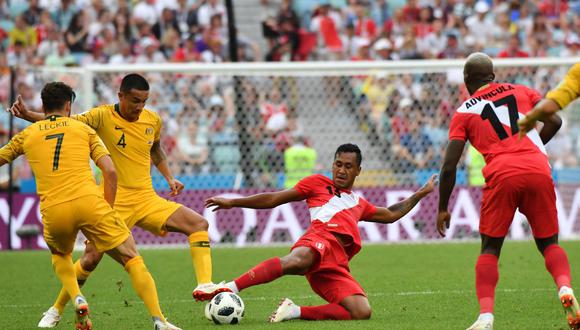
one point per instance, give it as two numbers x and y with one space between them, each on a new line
54 96
134 81
349 147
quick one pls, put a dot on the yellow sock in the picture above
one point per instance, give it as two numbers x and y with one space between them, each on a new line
65 271
201 256
144 285
63 297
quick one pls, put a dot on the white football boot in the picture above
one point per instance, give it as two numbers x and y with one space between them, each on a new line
50 318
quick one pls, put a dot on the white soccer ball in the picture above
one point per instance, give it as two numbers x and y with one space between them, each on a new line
225 308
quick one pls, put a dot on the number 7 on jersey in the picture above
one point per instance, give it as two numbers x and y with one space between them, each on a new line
59 137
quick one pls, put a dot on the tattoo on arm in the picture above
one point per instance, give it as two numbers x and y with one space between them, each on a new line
403 207
157 153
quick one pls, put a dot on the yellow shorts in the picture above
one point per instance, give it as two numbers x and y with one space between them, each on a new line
90 214
145 209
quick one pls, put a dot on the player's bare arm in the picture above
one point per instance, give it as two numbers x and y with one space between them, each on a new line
107 167
258 201
551 126
542 111
160 160
397 211
447 182
19 110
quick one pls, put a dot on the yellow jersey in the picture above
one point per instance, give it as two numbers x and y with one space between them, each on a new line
128 142
568 90
58 150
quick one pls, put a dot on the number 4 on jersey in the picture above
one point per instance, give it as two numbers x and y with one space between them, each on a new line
489 113
122 141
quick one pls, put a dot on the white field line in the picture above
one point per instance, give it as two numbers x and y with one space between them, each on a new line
276 298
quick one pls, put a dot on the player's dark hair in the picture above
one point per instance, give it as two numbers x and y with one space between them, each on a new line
54 96
349 147
134 81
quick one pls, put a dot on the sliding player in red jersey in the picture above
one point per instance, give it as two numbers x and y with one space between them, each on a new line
323 252
517 175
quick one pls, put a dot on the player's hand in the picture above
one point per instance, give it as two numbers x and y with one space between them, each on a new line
176 186
525 125
443 220
219 203
18 109
429 186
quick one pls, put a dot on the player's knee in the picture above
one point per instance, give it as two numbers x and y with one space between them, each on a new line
202 224
294 265
361 313
89 261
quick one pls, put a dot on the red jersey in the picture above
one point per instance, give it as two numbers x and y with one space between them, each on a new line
335 210
488 119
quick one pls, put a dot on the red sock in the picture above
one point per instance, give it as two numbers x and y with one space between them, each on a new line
557 264
486 277
265 272
324 312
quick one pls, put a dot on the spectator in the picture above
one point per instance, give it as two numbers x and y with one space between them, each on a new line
22 32
32 14
76 35
416 150
434 42
144 12
63 14
384 50
103 22
210 8
274 112
166 22
61 57
50 44
122 28
124 55
225 152
479 25
327 25
410 12
350 42
17 54
365 27
214 53
513 49
187 18
150 52
452 50
572 46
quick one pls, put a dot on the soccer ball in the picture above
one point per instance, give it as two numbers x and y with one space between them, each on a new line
225 308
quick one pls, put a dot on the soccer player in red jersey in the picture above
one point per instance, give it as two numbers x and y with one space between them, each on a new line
323 252
517 175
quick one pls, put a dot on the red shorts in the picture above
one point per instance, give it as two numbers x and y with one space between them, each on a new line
330 277
533 194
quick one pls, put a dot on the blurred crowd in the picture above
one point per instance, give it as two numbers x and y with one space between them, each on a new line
419 29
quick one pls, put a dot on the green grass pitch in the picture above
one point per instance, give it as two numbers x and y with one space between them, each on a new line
424 286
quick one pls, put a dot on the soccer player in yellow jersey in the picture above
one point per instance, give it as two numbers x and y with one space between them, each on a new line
131 134
58 150
557 99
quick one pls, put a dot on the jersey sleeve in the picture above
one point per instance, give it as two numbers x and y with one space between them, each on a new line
534 96
568 90
98 150
13 148
369 210
306 186
457 129
93 118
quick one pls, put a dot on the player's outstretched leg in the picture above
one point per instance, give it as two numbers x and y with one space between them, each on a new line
557 264
83 268
126 254
194 226
354 307
298 262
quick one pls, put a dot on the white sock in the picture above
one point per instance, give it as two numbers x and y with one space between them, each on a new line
485 317
295 312
232 286
565 290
